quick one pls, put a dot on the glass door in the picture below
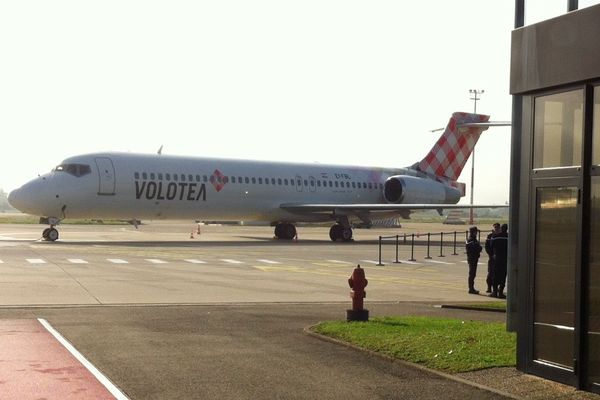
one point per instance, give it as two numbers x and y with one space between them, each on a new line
555 242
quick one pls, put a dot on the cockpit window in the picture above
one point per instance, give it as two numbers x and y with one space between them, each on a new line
77 170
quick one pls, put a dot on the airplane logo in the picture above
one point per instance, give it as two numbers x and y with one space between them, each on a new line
218 180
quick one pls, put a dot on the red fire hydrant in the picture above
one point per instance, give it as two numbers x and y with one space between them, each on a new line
357 283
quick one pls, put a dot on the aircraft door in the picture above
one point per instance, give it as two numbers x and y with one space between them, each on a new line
312 183
299 185
106 174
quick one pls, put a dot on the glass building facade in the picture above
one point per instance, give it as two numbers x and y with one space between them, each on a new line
555 197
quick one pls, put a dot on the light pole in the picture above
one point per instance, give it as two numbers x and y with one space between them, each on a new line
474 93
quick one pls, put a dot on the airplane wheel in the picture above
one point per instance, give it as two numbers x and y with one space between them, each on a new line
289 231
335 232
285 231
52 235
346 234
278 231
45 233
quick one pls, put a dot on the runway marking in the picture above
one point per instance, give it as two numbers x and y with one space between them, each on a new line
269 261
440 262
479 263
35 261
117 261
76 261
408 262
84 361
156 261
340 262
230 261
194 261
369 262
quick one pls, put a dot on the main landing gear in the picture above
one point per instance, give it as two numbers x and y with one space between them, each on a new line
285 230
340 232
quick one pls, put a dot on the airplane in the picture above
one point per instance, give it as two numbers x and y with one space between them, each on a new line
156 186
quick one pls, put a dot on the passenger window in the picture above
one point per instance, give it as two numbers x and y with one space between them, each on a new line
336 184
370 187
253 181
285 181
239 179
197 178
225 179
205 178
190 178
160 177
233 179
137 175
266 181
247 180
305 182
353 185
279 181
318 183
144 175
182 177
152 176
272 181
168 176
175 177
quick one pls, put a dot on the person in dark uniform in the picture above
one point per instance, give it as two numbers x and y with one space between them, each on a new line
489 280
500 253
473 251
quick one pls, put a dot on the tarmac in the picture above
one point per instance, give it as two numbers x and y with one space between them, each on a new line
217 329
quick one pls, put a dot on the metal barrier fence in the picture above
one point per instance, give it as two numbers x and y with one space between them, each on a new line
411 238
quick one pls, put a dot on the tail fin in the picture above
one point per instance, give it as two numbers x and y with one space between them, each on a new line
450 153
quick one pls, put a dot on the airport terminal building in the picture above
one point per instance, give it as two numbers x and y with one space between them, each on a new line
555 194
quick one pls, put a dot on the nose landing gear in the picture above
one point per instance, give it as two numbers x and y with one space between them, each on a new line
50 234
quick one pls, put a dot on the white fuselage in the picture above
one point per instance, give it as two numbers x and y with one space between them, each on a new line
140 186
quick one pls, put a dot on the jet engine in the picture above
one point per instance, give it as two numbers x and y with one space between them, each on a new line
405 189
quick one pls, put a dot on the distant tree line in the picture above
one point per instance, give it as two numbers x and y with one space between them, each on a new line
4 206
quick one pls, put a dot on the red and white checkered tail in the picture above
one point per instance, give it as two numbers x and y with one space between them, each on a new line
452 150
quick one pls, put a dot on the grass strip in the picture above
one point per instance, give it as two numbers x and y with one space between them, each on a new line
447 345
488 305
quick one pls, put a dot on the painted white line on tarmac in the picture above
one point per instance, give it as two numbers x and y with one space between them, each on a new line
340 262
230 261
79 357
35 261
370 262
440 262
409 262
194 261
269 261
76 261
155 261
117 261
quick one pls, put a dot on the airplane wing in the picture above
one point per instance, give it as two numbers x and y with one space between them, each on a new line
308 208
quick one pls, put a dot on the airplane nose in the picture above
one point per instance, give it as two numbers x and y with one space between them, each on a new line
15 199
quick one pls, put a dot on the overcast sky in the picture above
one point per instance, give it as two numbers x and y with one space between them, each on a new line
350 82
